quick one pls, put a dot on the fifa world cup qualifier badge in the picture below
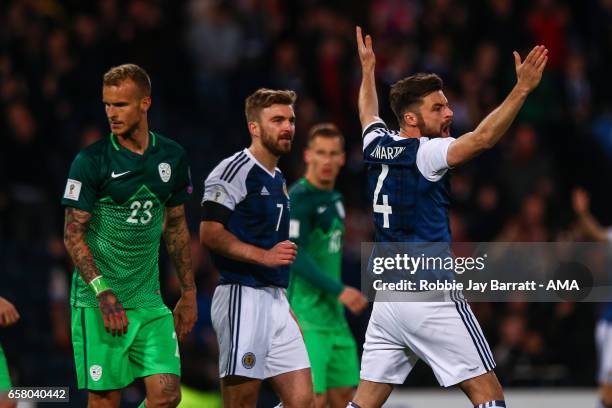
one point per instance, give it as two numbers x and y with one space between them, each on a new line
248 360
164 171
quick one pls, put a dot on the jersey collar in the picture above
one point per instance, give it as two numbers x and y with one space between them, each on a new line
118 147
248 152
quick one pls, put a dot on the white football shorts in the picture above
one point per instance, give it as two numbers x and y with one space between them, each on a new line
257 335
603 339
444 334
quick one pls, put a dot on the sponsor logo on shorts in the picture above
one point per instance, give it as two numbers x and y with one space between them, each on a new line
248 360
96 372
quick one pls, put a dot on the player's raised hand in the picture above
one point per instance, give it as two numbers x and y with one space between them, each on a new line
529 71
281 254
185 314
8 313
115 319
580 201
365 50
353 300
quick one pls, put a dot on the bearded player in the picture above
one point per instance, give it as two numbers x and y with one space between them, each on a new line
408 182
245 223
123 193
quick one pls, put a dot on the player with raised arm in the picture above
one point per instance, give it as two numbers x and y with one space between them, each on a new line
408 181
316 292
245 223
594 231
123 193
8 317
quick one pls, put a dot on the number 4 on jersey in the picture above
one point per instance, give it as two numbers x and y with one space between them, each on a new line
384 208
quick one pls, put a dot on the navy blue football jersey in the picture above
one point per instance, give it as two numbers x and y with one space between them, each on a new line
408 183
259 205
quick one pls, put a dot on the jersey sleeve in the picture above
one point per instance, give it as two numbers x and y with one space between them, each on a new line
384 146
431 158
82 184
183 187
220 195
372 131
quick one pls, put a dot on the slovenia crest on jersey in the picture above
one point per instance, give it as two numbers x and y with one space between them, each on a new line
164 171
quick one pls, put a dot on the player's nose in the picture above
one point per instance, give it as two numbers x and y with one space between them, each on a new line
449 113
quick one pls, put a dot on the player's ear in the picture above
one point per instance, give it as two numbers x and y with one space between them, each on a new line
342 159
410 119
145 103
307 155
254 129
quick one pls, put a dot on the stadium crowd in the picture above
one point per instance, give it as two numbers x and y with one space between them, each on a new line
205 56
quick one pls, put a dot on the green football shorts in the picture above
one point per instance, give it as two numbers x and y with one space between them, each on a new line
333 359
5 379
104 362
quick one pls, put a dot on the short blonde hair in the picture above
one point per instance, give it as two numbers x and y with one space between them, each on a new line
264 98
116 75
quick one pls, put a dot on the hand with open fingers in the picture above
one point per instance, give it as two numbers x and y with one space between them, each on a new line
113 314
185 314
529 71
365 50
8 313
353 300
281 254
580 201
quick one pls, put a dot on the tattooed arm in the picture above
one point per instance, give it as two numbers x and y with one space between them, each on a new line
178 244
75 226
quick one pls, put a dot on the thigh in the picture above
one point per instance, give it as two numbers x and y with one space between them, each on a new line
103 399
343 367
371 394
339 397
294 388
155 348
238 391
163 389
483 388
102 360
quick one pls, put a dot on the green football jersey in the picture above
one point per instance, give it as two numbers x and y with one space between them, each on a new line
126 193
317 227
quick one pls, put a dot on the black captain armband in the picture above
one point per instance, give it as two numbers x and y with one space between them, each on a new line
212 211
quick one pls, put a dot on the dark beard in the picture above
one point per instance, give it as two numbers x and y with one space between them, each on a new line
272 146
430 133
